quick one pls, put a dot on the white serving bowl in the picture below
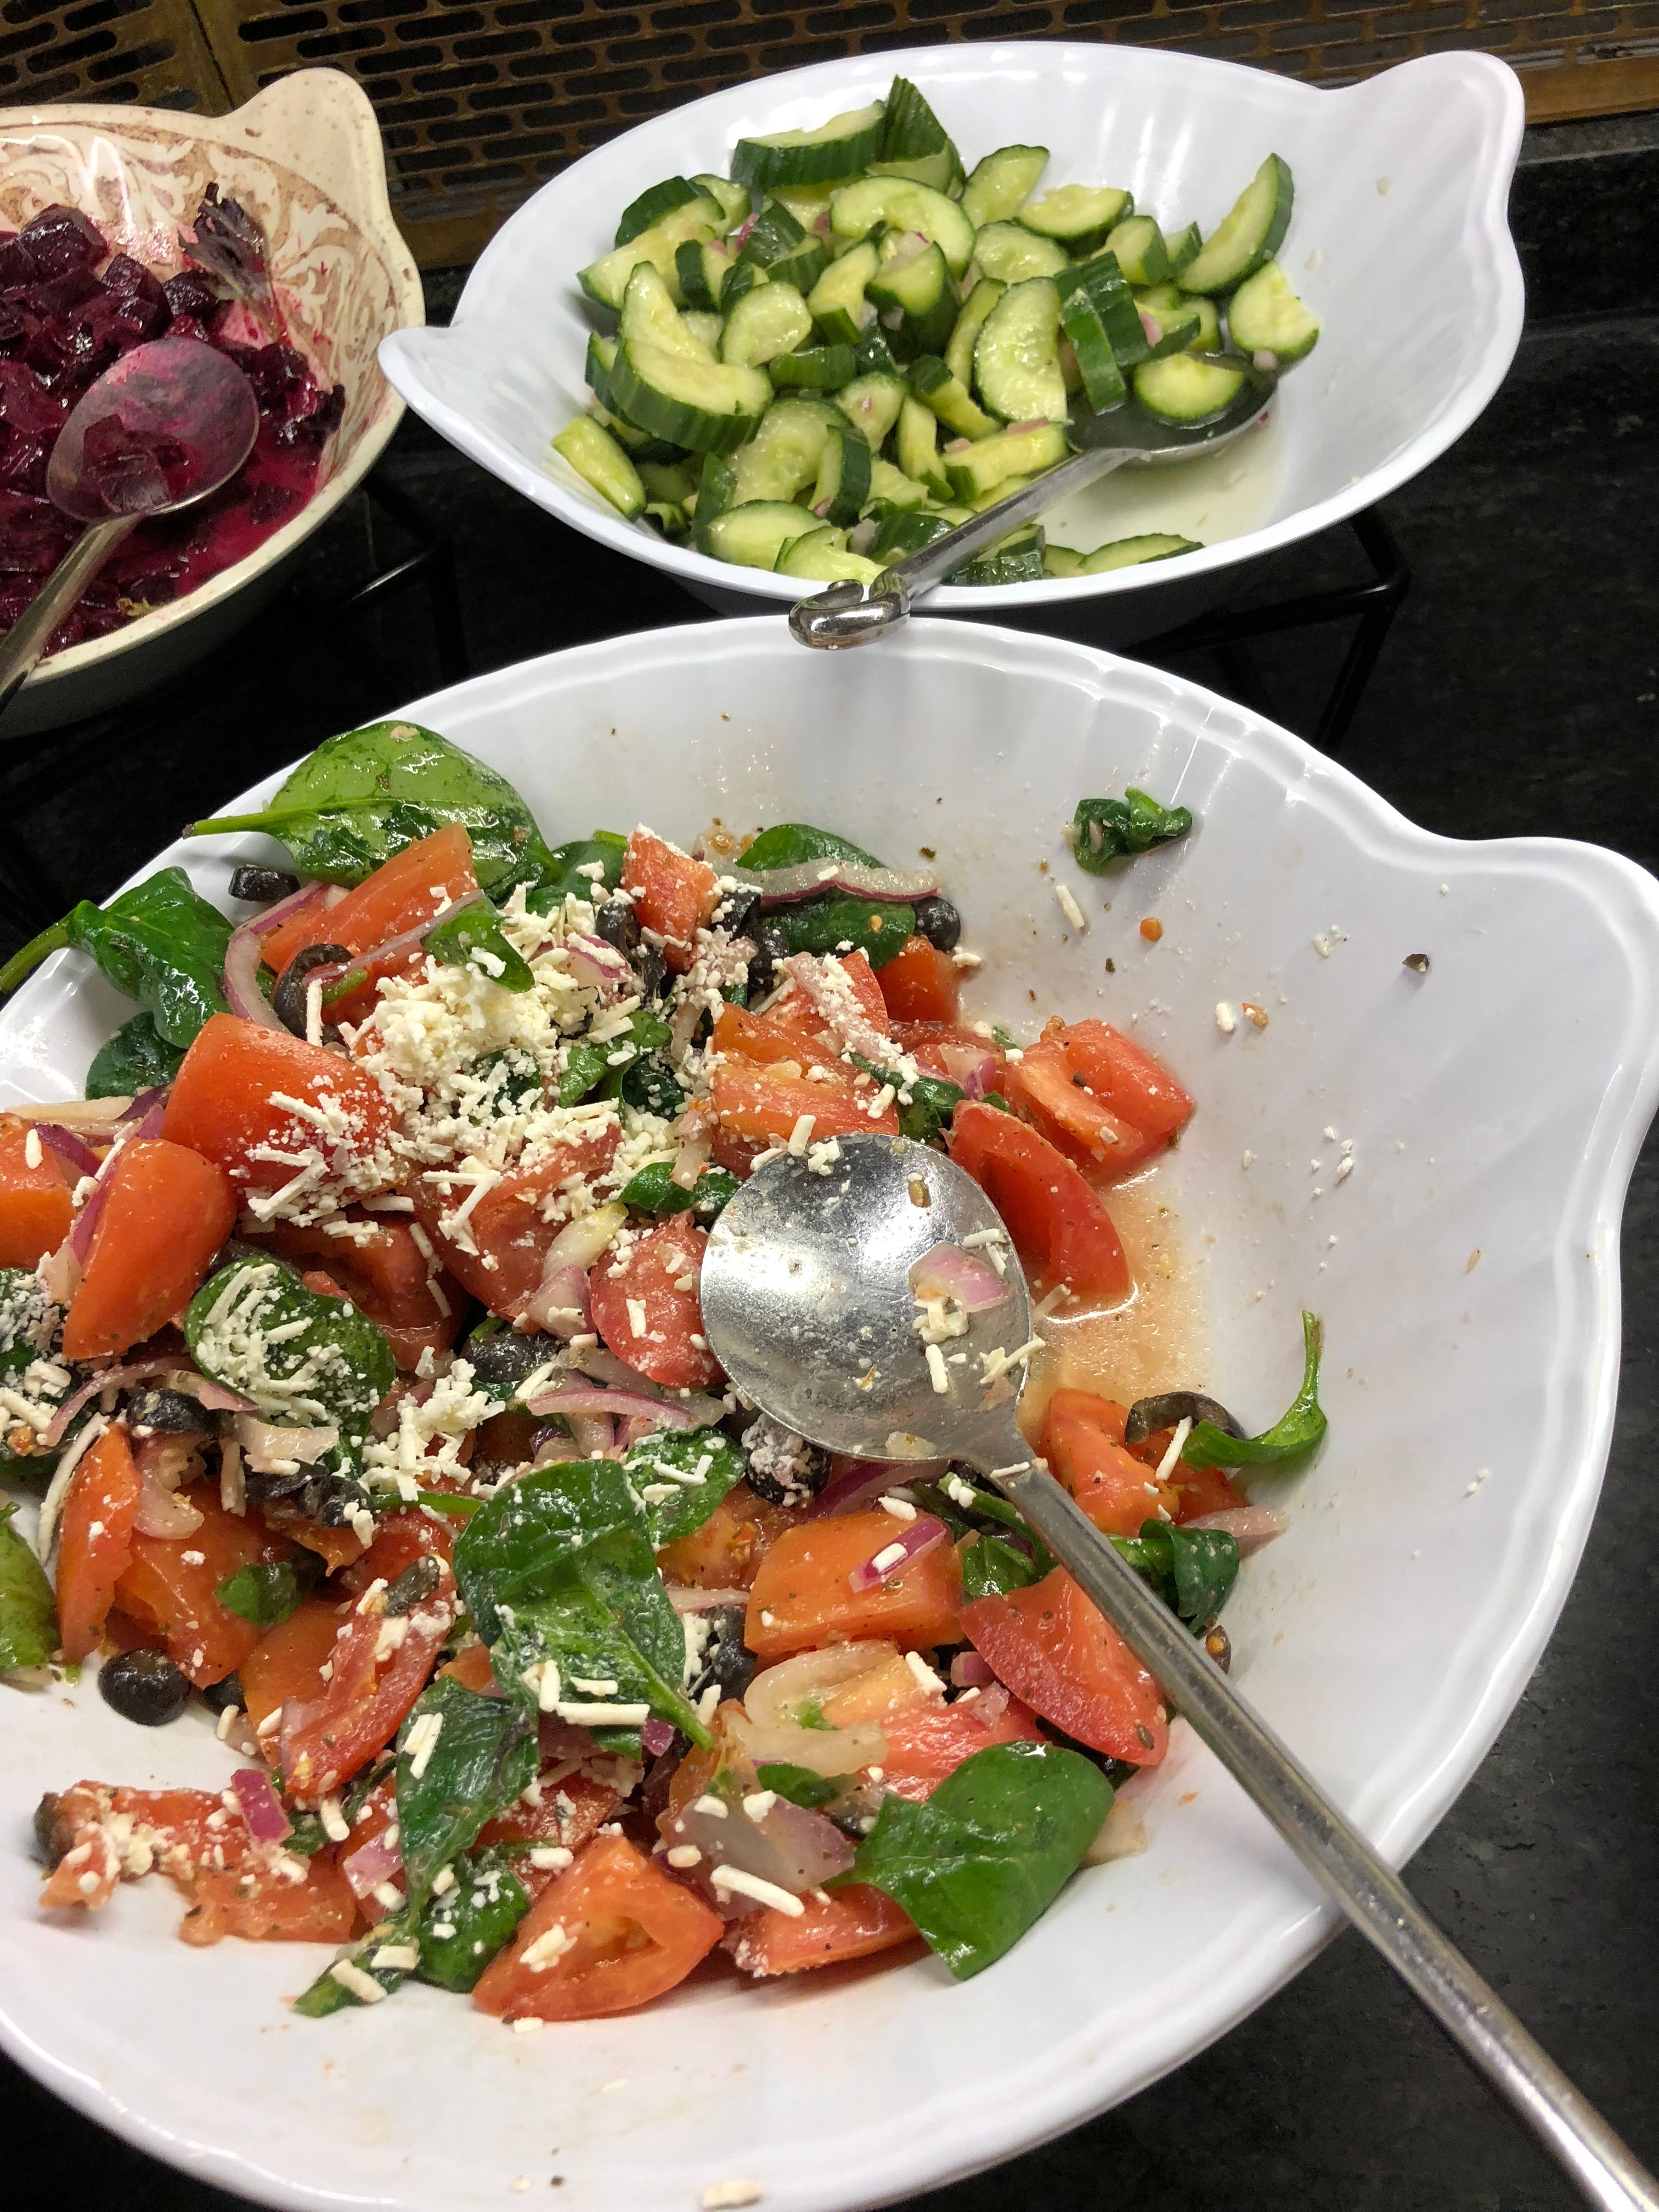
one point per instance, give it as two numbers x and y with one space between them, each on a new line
1494 1107
1399 240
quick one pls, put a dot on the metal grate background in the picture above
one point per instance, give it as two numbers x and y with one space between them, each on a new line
479 103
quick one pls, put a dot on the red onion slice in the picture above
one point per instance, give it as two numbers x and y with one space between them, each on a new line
217 1400
86 1222
262 1809
371 1864
783 886
657 1736
600 964
162 1512
1250 1527
110 1379
856 1481
790 1847
273 917
67 1147
242 993
590 1433
625 1405
974 1070
1153 328
329 972
970 1672
910 1541
145 1103
560 1305
705 1601
947 1271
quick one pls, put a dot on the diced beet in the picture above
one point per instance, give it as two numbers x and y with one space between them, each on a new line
26 405
61 238
131 279
190 292
58 296
271 503
17 265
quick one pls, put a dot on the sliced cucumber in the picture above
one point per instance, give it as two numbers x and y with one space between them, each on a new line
1100 282
708 406
651 207
606 279
1249 234
741 279
914 143
1016 560
1208 338
717 489
1264 316
837 302
873 354
639 444
1060 561
959 352
821 558
1010 253
906 530
993 495
1186 387
903 204
1130 552
732 200
769 321
1016 355
950 400
809 204
1141 253
1078 216
916 442
669 481
1002 183
915 299
813 369
783 457
1182 247
870 404
1091 349
844 474
838 148
701 269
990 464
893 488
1175 317
601 353
600 461
705 328
648 315
779 247
754 534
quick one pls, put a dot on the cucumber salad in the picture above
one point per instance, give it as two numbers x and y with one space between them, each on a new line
825 361
358 1411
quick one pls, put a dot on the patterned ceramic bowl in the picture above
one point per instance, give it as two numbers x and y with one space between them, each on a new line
305 158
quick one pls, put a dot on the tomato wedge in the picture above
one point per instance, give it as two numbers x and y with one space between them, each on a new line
35 1202
165 1212
668 1347
381 1268
94 1540
570 1810
960 1055
801 1596
380 1667
673 894
764 1105
262 1904
1201 1490
288 1659
608 1935
797 1004
1054 1648
853 1923
171 1586
1060 1229
508 1231
924 1746
1083 1441
764 1038
223 1103
403 892
921 983
1137 1087
1099 1097
726 1551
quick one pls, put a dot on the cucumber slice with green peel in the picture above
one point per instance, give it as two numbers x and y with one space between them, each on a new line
837 149
741 279
606 279
821 558
1182 247
666 515
669 481
906 530
1175 318
1016 355
870 404
639 445
845 469
753 535
710 407
950 400
1187 387
837 302
780 246
708 329
1091 349
989 464
1002 183
1079 216
1264 316
783 459
1011 254
914 143
900 203
893 487
809 204
717 489
997 493
701 269
1208 338
648 315
873 354
650 208
601 353
1130 552
1016 560
915 299
1251 233
1060 561
915 441
1100 282
1140 249
599 460
813 369
771 320
731 199
959 352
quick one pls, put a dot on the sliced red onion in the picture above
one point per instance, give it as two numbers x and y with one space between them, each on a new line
329 972
947 1271
1263 359
145 1103
790 1847
627 1405
561 1305
1250 1527
161 1512
910 1541
636 1428
88 1117
682 1027
974 1070
217 1400
689 1162
856 1481
110 1379
601 964
154 1121
957 444
262 1809
68 1147
821 507
86 1222
591 1433
970 1672
242 993
782 886
739 238
1032 422
991 1706
821 222
371 1864
705 1601
273 917
657 1736
1153 328
694 1408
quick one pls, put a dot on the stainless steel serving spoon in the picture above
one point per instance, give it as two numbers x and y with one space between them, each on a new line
853 614
179 389
807 1304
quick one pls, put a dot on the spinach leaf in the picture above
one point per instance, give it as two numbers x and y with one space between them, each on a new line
28 1618
1192 1570
476 939
267 1593
603 850
1296 1431
334 1369
800 1785
136 1058
990 1850
654 1190
992 1567
791 844
364 795
514 1077
650 1086
30 1325
307 1836
462 1931
1107 830
329 1994
483 1754
158 943
880 926
681 1479
932 1102
585 1067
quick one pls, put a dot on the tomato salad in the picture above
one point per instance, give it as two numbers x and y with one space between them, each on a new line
350 1343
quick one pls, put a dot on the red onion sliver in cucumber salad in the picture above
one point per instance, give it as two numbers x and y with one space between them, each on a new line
357 1404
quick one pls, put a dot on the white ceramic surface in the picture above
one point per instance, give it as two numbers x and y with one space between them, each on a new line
1494 1106
1399 240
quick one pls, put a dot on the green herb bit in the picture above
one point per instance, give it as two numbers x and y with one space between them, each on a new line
475 939
1294 1433
462 1758
1107 830
801 1786
267 1593
654 1190
585 1067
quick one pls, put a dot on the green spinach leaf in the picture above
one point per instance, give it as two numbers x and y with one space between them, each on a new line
879 926
136 1058
1296 1431
473 1756
28 1617
585 1067
992 1567
476 939
328 1994
1192 1570
932 1102
654 1190
334 1369
462 1931
791 844
681 1479
1107 830
990 1850
266 1593
801 1785
564 877
158 943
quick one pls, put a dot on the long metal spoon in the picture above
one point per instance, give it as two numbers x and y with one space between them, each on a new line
176 394
807 1304
853 614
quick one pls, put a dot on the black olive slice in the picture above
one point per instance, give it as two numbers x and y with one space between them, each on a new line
1169 1407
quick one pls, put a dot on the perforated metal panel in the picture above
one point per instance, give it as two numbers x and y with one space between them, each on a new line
152 52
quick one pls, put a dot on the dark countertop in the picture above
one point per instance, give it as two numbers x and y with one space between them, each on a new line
1516 695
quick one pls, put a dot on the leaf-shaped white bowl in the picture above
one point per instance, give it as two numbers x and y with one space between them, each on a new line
1399 240
1466 1271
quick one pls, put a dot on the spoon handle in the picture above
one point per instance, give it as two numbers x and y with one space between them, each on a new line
25 641
1369 1893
